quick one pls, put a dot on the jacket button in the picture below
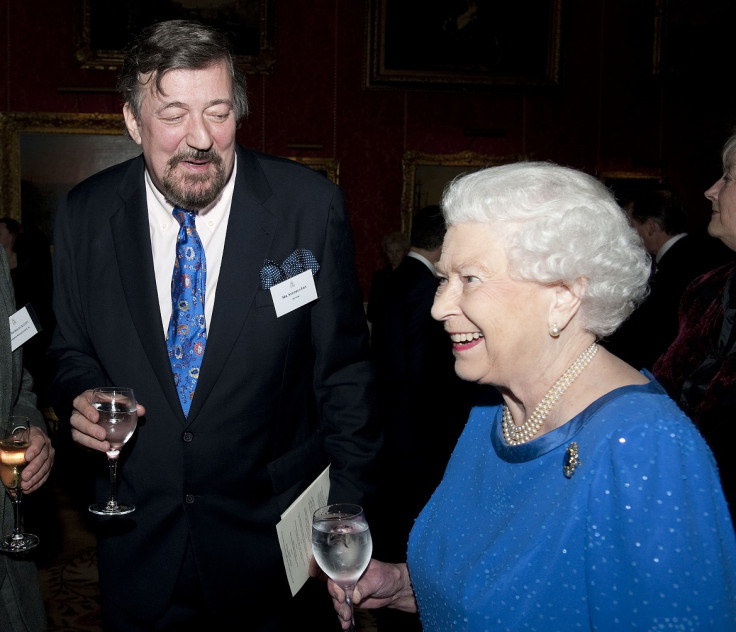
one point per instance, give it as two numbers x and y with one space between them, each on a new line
189 498
188 436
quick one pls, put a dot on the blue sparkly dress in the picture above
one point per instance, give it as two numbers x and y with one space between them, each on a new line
637 538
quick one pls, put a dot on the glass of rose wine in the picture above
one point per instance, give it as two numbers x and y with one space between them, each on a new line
14 441
342 545
119 417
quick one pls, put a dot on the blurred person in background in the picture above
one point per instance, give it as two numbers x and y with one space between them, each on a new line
678 257
699 368
394 248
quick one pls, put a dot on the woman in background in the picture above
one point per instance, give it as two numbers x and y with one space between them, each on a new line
699 368
394 248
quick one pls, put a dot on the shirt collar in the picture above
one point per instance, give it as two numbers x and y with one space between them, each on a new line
423 259
667 245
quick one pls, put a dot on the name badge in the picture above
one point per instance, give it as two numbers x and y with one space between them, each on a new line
293 293
23 326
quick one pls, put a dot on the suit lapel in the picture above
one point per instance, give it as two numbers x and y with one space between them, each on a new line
250 231
7 307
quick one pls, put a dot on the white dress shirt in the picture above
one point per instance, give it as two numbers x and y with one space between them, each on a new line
164 228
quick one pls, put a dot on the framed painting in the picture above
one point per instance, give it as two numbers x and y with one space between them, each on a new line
328 167
626 185
44 155
463 43
105 28
427 175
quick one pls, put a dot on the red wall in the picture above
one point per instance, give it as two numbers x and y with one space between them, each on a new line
609 113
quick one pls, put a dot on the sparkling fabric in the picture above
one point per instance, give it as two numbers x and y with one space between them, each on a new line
297 262
638 538
187 333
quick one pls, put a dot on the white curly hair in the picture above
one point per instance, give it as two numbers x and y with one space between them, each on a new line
560 225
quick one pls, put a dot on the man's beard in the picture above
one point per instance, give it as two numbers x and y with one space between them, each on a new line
194 191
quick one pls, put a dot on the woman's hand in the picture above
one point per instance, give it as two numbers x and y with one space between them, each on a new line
382 585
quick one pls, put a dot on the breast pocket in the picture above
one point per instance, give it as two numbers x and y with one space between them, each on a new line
264 299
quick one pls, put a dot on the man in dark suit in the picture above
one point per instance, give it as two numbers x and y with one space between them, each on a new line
423 405
21 602
678 257
276 397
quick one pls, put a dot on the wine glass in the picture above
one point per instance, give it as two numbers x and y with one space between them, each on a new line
14 441
119 417
342 546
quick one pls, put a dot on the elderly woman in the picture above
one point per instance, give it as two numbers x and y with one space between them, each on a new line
585 499
699 368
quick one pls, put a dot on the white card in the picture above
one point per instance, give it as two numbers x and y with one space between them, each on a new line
295 530
23 326
294 292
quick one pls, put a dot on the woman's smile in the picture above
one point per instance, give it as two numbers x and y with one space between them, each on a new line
463 341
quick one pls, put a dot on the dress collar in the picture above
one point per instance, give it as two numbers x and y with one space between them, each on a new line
565 433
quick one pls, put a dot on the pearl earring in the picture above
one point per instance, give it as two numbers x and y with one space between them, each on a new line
554 331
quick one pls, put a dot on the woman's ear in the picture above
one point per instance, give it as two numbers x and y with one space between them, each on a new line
565 303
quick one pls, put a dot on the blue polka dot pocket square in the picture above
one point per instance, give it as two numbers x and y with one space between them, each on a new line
297 262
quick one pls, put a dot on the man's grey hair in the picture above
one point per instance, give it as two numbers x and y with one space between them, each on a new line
177 45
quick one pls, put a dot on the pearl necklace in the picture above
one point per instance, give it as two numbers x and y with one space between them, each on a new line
515 435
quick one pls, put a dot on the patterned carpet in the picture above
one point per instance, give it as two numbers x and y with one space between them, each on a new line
66 557
71 593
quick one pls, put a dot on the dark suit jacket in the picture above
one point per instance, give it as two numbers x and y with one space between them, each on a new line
409 345
653 326
277 398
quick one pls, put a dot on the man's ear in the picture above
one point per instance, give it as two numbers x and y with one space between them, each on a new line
652 227
131 123
566 303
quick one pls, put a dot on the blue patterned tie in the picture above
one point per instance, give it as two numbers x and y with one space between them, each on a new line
187 334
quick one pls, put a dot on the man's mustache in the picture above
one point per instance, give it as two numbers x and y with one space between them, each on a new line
196 156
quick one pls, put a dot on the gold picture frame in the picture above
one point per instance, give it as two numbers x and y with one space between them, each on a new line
45 154
426 175
626 185
412 42
328 167
104 28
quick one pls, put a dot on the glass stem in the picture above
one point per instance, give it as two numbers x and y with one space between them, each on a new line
17 531
113 466
349 601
